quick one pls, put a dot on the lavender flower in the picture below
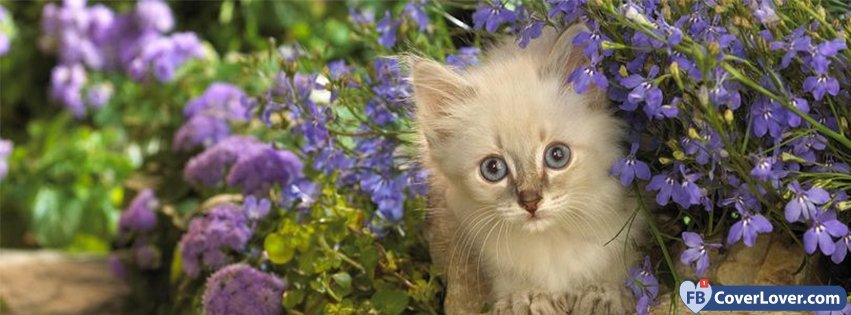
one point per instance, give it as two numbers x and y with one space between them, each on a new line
843 246
256 209
748 228
5 151
803 205
66 83
467 56
241 289
768 117
220 100
492 16
254 166
154 15
629 168
387 28
139 215
416 11
820 234
99 94
200 130
821 84
644 286
206 243
697 252
530 28
583 77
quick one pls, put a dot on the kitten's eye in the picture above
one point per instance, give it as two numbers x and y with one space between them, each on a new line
493 168
557 155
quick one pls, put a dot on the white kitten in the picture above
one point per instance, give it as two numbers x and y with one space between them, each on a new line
522 201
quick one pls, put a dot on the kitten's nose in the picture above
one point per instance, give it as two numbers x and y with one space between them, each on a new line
529 200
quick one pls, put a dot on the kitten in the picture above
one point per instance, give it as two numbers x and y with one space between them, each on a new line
522 204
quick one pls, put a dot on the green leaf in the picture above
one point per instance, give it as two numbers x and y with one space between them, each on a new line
390 302
342 283
279 248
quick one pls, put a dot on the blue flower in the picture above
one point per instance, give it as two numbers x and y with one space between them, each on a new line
804 203
584 76
768 168
223 228
139 215
843 246
768 118
643 89
697 252
628 168
743 200
792 44
685 193
644 286
724 92
492 16
821 232
416 11
569 10
466 56
387 28
256 209
821 84
748 228
530 29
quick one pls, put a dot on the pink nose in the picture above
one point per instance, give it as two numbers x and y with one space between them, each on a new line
529 199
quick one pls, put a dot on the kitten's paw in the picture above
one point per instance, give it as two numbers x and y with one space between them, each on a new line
534 303
602 299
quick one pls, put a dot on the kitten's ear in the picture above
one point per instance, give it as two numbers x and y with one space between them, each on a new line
436 89
563 56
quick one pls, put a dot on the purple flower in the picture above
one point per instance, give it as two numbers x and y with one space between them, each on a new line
241 289
256 209
583 77
221 100
387 28
644 286
255 166
416 11
200 130
99 94
697 252
763 10
257 172
805 147
628 168
821 54
569 10
223 228
117 267
388 194
146 256
492 16
768 117
66 83
154 15
591 41
685 193
792 44
139 215
820 234
820 84
5 44
724 92
467 56
843 246
5 151
361 17
529 31
643 90
743 200
804 203
747 229
768 168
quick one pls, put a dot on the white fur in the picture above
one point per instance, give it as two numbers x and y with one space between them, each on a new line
516 111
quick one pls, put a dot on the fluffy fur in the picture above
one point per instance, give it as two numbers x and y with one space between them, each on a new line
492 251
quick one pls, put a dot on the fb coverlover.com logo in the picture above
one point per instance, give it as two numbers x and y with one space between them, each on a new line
702 296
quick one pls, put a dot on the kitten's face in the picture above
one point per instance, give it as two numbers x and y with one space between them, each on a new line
515 144
528 150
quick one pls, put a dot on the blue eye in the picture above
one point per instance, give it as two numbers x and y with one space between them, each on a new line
557 155
493 168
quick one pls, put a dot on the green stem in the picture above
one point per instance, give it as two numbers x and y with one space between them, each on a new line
821 128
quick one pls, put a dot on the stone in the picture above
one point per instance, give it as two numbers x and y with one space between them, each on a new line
51 282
